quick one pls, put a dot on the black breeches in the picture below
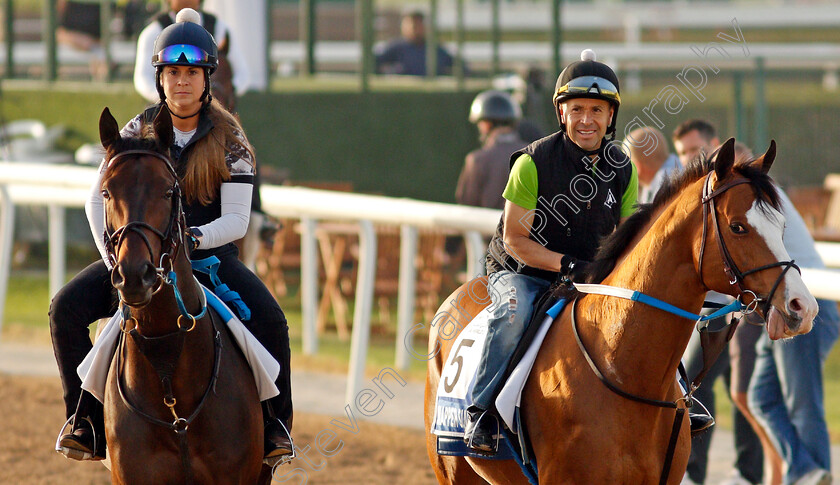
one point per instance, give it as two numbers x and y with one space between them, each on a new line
88 297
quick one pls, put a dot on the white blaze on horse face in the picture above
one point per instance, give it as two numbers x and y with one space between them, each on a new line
769 223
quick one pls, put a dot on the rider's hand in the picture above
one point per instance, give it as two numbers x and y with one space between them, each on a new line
574 268
194 239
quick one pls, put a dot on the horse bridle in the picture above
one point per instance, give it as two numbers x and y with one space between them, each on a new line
171 238
736 276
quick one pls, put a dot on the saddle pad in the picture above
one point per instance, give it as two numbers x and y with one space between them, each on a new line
93 370
510 397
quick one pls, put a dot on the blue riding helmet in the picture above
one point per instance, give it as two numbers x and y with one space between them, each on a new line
186 43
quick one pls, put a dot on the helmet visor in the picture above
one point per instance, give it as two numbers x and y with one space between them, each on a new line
184 54
590 85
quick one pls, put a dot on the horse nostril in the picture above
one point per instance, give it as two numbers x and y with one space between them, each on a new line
150 274
795 306
117 278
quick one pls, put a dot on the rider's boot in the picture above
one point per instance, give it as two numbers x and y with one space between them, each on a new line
86 439
700 421
278 442
481 430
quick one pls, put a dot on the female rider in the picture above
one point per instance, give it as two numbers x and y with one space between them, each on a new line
216 180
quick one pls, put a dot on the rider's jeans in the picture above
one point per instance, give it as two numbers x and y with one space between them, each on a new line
786 394
512 305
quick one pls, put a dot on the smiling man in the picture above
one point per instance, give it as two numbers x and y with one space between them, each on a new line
564 193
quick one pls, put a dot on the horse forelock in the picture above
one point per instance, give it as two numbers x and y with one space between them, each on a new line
614 246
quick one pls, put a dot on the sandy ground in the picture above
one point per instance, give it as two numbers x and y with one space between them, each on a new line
32 413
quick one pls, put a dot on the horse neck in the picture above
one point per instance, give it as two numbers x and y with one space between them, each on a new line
638 341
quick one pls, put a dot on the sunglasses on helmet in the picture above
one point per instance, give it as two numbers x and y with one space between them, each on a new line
182 54
590 85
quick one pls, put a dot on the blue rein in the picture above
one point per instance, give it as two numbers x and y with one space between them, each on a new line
606 290
172 279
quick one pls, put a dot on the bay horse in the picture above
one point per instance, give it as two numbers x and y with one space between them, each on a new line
181 404
713 219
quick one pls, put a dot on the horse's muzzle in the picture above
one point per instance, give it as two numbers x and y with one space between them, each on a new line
135 282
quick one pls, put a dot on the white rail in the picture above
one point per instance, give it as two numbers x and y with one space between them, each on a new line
68 186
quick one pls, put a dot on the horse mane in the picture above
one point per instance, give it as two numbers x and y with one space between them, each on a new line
613 246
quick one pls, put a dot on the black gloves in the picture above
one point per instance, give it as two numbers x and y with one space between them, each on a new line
573 268
193 234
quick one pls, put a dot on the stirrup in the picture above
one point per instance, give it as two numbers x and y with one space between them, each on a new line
496 436
280 460
72 453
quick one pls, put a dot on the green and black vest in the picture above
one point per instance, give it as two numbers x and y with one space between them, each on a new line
578 203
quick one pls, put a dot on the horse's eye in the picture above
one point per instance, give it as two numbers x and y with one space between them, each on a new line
738 228
169 194
106 195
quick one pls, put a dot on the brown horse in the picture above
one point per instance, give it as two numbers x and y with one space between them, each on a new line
181 404
701 228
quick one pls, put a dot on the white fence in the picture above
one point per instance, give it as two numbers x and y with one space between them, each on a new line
61 186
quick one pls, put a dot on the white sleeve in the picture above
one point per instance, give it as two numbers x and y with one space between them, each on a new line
233 223
95 212
144 72
238 63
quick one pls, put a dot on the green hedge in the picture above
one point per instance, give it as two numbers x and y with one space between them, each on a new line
411 143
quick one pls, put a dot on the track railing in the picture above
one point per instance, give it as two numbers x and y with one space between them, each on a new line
62 186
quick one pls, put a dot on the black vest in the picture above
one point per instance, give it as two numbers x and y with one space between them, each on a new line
578 202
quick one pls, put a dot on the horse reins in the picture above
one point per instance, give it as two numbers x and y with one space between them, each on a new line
736 277
169 345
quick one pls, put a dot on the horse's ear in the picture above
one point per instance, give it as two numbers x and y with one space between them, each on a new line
109 130
725 159
163 128
766 161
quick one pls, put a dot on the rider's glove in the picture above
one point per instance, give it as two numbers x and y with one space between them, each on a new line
194 233
574 268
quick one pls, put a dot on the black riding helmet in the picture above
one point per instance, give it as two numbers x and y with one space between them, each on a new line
588 78
496 106
185 43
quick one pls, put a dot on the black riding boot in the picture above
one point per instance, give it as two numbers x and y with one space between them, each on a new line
278 441
481 430
86 439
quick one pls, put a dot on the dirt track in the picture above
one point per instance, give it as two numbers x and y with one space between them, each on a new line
32 411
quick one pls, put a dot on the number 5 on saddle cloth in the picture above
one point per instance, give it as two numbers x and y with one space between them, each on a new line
210 266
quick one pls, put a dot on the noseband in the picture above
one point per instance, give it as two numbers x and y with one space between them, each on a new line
171 238
736 276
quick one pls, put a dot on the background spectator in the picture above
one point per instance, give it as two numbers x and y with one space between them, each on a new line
486 169
407 54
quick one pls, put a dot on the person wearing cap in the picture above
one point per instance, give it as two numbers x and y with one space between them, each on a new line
215 164
564 193
485 171
144 73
